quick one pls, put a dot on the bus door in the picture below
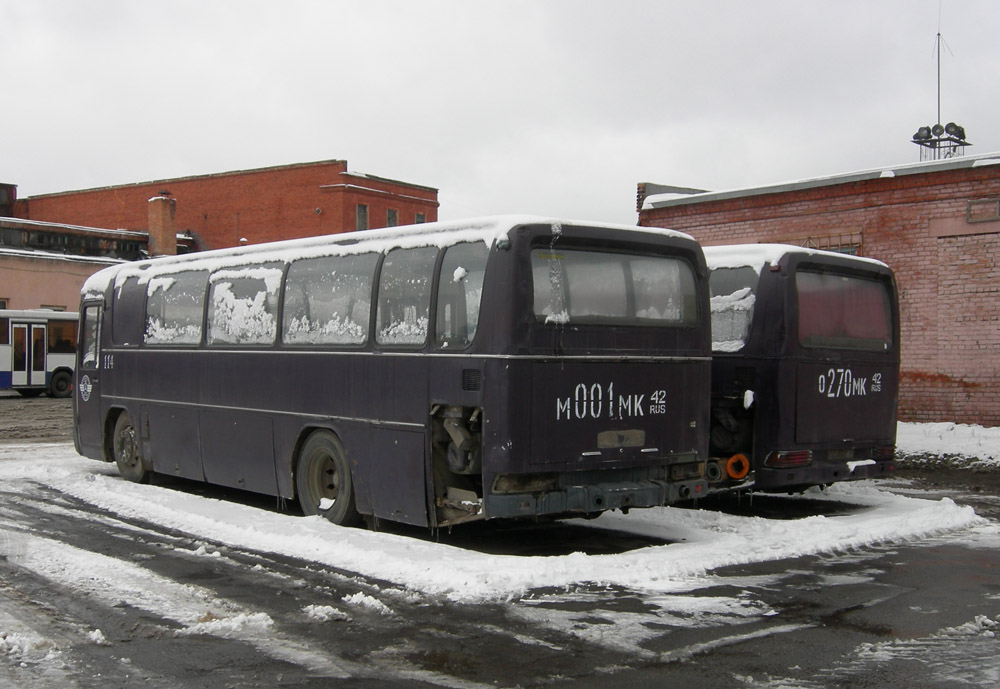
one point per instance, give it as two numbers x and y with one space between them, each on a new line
87 401
28 351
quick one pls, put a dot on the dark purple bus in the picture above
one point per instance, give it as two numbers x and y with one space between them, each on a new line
805 368
430 375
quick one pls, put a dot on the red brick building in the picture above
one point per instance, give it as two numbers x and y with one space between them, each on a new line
936 224
50 244
222 210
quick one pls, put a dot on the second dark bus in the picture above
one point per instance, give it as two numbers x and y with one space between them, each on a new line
805 369
431 375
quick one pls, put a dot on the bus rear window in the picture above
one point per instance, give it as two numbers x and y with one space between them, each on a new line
843 312
572 286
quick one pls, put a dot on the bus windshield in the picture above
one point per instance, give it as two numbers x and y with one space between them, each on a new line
843 312
572 286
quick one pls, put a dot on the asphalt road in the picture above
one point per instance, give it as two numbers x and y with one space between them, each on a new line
913 615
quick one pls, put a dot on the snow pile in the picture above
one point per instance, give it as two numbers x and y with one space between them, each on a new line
959 446
325 613
366 602
697 541
97 637
25 647
240 626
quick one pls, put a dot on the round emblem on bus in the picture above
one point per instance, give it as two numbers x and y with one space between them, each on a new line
85 387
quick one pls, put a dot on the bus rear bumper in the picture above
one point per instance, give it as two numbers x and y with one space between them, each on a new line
593 498
820 474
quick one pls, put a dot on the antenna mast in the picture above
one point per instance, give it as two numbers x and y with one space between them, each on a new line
940 141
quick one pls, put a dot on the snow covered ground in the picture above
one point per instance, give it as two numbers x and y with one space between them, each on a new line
698 540
960 445
567 595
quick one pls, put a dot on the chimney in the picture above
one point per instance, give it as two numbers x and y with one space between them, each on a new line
162 236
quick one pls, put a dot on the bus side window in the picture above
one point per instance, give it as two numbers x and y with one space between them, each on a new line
405 296
733 297
328 300
174 308
4 331
62 337
90 337
126 326
460 290
243 305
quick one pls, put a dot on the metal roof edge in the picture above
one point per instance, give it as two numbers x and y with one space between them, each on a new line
651 203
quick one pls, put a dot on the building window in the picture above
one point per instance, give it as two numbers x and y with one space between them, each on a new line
362 217
842 243
3 303
391 217
419 218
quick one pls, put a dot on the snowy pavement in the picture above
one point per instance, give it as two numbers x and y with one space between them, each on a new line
675 599
699 541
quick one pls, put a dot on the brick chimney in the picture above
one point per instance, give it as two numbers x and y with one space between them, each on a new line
162 236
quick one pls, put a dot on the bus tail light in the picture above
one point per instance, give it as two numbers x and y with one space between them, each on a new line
884 452
738 466
784 460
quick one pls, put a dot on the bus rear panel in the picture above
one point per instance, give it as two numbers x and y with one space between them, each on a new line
805 367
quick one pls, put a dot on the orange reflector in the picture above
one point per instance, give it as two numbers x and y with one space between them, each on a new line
738 466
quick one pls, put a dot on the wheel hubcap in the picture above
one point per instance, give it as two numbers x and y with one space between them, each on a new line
327 482
126 447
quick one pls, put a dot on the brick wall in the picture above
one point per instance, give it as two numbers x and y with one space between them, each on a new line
946 268
262 205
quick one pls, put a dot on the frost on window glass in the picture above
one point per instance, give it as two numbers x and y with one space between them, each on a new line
174 308
328 300
405 296
243 304
460 290
664 290
572 286
733 296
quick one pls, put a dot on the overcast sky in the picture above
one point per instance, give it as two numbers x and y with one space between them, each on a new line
546 107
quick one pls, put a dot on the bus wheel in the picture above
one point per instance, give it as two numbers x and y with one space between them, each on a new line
60 384
126 451
323 480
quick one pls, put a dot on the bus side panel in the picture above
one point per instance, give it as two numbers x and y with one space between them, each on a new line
846 402
237 449
394 457
394 465
171 441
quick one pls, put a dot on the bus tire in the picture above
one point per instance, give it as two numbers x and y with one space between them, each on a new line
323 480
125 448
61 384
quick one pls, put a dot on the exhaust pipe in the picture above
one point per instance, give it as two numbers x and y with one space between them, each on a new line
713 471
738 466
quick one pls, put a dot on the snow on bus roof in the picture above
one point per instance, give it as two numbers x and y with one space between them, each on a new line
756 255
437 234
